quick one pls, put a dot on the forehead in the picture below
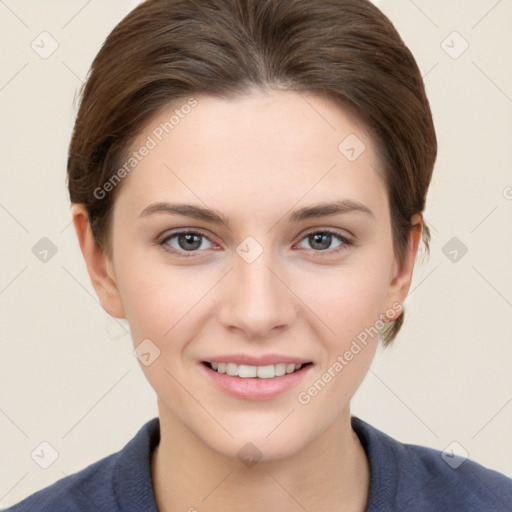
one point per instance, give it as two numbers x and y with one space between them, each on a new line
255 149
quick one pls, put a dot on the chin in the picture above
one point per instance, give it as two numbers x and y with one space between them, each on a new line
255 443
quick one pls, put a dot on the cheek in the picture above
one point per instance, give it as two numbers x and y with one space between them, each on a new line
158 300
164 303
345 300
162 306
348 302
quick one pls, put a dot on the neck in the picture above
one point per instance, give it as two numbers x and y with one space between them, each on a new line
331 473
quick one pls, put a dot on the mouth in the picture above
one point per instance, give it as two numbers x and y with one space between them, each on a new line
255 377
251 382
244 371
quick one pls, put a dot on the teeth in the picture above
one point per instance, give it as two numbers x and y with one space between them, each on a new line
263 372
232 369
280 369
246 371
267 372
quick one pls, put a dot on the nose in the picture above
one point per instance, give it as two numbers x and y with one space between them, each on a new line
255 298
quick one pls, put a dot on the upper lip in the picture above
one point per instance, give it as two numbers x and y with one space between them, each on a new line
263 360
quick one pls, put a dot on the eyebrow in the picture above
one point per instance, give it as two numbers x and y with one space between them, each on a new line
209 215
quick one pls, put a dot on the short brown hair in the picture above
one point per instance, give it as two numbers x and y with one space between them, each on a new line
345 50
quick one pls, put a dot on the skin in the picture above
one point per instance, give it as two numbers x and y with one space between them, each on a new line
253 158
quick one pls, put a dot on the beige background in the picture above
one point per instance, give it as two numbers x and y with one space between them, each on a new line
68 374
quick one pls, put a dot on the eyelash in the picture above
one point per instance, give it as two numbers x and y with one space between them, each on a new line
346 242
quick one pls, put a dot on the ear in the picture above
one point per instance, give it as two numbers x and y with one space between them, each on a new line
99 265
401 276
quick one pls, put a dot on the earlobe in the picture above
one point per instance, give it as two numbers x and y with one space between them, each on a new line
98 264
402 278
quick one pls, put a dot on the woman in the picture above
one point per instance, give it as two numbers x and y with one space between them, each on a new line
248 179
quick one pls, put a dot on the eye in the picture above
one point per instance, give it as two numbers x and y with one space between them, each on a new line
186 241
322 240
193 242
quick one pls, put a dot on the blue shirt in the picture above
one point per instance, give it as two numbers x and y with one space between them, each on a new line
402 477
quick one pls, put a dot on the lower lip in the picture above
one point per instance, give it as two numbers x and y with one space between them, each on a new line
254 388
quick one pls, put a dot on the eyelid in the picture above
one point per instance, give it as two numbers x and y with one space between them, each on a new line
332 231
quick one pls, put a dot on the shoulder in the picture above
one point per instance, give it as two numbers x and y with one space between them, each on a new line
406 476
120 479
88 489
446 479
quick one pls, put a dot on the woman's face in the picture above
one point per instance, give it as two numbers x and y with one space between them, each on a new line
278 281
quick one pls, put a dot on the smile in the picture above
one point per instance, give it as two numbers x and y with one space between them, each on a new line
245 371
255 382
